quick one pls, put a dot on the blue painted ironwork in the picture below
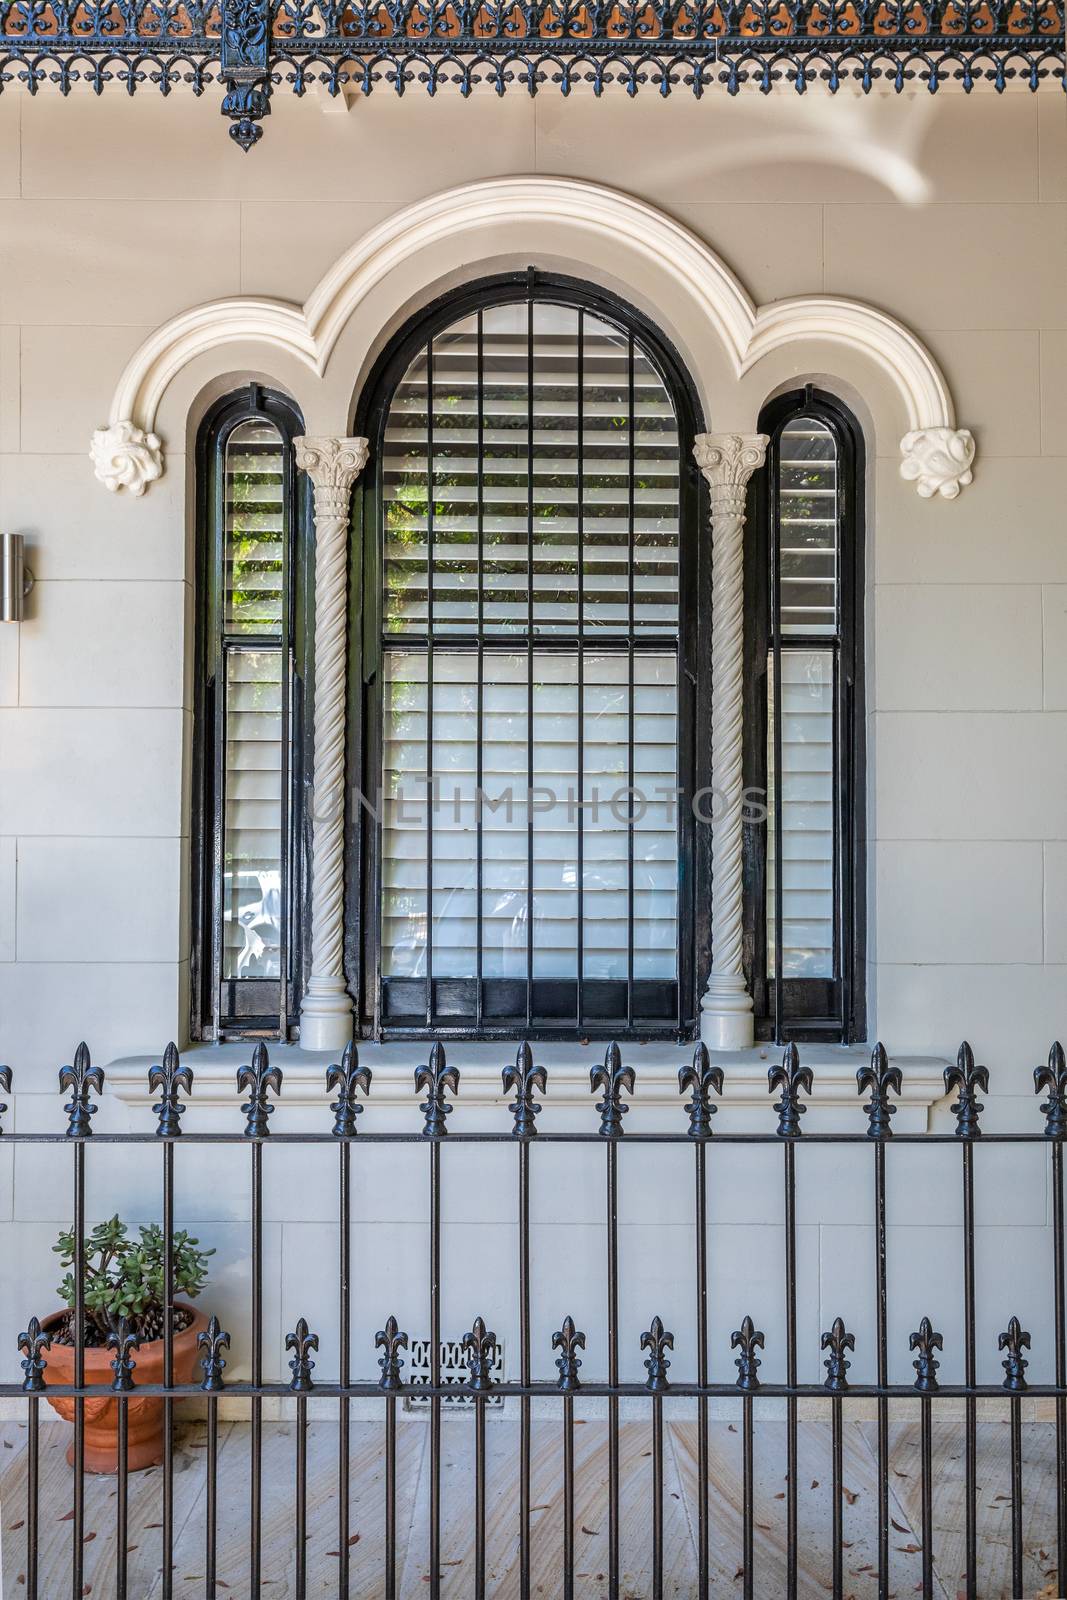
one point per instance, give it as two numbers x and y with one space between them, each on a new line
255 47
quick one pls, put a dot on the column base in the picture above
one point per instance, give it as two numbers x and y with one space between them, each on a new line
726 1021
326 1016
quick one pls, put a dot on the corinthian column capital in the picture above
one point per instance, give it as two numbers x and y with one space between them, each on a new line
727 461
333 465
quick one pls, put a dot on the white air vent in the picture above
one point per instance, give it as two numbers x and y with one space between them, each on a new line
453 1372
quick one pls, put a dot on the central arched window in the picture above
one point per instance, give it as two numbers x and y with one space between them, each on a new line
529 661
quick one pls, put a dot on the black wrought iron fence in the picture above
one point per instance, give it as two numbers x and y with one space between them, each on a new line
700 1082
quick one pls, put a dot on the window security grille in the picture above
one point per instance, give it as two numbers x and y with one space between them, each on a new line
530 510
453 1371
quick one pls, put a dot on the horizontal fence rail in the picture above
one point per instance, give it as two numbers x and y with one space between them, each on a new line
438 1085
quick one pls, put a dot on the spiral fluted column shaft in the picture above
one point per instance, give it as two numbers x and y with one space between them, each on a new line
727 461
333 465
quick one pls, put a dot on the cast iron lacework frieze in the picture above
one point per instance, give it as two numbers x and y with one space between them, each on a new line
253 48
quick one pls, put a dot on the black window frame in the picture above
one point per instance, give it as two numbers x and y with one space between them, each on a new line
363 854
812 1009
248 1007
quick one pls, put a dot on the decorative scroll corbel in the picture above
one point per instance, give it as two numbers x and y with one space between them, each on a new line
938 460
245 69
125 456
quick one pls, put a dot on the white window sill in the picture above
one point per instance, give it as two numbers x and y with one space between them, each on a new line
568 1065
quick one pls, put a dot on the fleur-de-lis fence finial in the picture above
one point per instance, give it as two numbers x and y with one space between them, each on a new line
700 1078
348 1078
612 1078
837 1341
966 1079
436 1078
258 1079
880 1078
748 1339
657 1341
1014 1340
166 1079
568 1340
479 1346
122 1339
5 1088
31 1343
392 1341
301 1342
524 1080
926 1341
213 1340
1054 1079
82 1079
790 1077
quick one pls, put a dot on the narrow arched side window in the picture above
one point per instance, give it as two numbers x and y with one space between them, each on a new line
805 860
249 745
531 649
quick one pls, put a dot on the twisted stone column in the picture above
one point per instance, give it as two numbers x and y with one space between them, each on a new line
727 461
333 465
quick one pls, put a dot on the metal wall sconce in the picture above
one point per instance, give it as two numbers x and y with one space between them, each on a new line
16 579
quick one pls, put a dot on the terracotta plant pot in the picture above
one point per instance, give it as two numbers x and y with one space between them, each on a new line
145 1412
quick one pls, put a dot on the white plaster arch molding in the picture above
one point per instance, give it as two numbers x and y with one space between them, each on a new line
936 455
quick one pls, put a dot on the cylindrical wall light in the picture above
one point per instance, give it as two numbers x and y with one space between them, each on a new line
16 579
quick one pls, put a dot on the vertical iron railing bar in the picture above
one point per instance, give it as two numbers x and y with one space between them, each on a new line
631 517
167 1581
529 650
301 1496
580 533
390 1497
612 1199
430 405
479 731
703 1550
524 1368
927 1535
747 1539
122 1500
837 1476
33 1481
773 468
211 1498
221 701
78 1519
256 1440
970 1378
657 1497
568 1497
344 1273
1059 1281
882 1337
1016 1429
791 1365
479 1497
435 1367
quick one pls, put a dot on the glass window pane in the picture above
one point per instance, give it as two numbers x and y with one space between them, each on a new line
251 846
253 529
808 527
805 792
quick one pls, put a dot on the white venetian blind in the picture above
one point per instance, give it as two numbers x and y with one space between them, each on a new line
530 504
254 658
808 556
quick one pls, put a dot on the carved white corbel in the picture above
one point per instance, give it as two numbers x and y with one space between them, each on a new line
124 456
938 460
727 461
333 465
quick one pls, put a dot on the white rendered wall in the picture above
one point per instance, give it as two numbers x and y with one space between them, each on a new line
949 213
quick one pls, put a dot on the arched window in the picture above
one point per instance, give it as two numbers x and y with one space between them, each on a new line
805 891
250 596
530 651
